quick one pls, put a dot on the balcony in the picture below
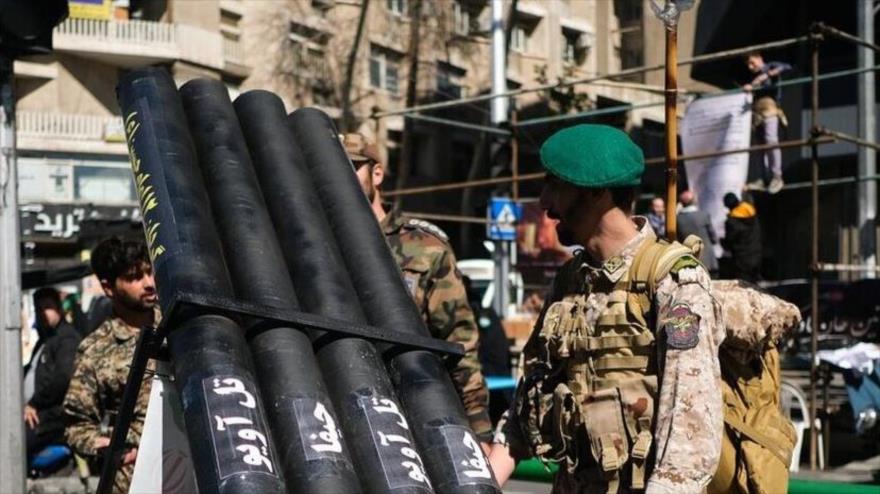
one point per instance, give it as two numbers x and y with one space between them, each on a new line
60 132
136 43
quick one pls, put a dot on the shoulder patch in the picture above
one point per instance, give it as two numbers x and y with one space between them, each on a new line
427 227
682 327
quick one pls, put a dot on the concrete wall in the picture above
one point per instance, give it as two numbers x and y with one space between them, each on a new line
81 87
199 13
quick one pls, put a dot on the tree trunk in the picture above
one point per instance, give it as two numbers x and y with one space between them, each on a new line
406 151
348 123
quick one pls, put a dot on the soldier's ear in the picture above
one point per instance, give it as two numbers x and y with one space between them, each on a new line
378 174
107 288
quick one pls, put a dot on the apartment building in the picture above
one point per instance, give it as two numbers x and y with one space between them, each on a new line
72 156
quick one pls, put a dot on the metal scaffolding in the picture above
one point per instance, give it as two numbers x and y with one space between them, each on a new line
818 136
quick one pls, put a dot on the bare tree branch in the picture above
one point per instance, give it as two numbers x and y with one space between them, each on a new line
348 123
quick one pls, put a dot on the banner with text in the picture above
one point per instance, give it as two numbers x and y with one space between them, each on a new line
717 124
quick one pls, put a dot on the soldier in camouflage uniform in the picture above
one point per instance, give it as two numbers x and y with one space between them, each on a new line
621 382
103 357
422 251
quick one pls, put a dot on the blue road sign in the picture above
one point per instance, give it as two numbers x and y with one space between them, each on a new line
504 213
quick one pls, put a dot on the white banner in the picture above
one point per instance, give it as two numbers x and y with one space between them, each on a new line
717 124
164 463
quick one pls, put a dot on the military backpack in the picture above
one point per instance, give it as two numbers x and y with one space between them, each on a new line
758 440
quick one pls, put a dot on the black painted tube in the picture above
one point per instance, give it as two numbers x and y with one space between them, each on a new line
452 453
378 436
225 421
300 413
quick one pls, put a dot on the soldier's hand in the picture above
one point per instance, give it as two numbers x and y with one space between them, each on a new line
502 463
101 442
130 456
486 447
31 418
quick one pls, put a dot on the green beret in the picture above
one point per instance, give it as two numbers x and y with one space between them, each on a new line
591 155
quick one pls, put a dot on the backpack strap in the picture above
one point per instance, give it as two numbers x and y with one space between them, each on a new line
759 437
654 259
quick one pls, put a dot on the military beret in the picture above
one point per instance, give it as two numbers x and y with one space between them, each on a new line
591 155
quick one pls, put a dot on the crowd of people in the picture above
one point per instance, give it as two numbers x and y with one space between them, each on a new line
741 242
75 378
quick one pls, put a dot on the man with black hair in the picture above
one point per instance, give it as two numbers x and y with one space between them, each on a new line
742 238
48 373
95 394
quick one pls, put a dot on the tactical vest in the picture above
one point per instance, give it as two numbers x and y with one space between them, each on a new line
599 406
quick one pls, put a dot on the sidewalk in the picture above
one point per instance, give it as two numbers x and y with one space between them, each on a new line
856 472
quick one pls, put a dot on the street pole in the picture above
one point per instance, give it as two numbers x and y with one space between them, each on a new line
671 129
814 241
12 450
868 131
499 111
668 13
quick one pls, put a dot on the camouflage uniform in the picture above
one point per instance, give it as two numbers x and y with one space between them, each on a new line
95 392
423 253
685 440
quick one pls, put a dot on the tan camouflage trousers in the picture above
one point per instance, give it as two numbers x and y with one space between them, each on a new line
589 481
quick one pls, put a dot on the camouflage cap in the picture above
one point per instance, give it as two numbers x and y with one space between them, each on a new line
590 155
359 148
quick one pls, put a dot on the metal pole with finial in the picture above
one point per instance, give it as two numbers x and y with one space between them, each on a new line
669 12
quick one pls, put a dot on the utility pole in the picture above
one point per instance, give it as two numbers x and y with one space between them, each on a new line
12 450
499 112
867 193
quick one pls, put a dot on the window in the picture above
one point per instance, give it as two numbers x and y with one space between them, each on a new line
229 24
308 47
322 6
519 39
461 19
449 81
102 184
574 46
396 7
632 40
385 69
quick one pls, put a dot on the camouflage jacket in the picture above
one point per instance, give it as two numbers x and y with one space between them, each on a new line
423 253
689 420
95 393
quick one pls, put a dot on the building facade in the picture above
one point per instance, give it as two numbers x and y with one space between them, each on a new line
72 155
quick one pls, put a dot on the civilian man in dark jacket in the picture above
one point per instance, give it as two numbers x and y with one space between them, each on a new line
48 373
742 238
693 221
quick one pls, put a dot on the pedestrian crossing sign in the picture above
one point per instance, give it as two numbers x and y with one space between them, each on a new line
504 213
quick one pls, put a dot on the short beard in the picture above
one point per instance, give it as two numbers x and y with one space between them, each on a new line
565 235
133 304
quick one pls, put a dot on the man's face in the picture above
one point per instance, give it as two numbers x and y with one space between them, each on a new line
754 63
134 290
364 173
658 207
562 203
48 313
370 174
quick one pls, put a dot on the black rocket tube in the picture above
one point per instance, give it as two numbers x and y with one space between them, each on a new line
455 462
223 412
301 416
378 435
